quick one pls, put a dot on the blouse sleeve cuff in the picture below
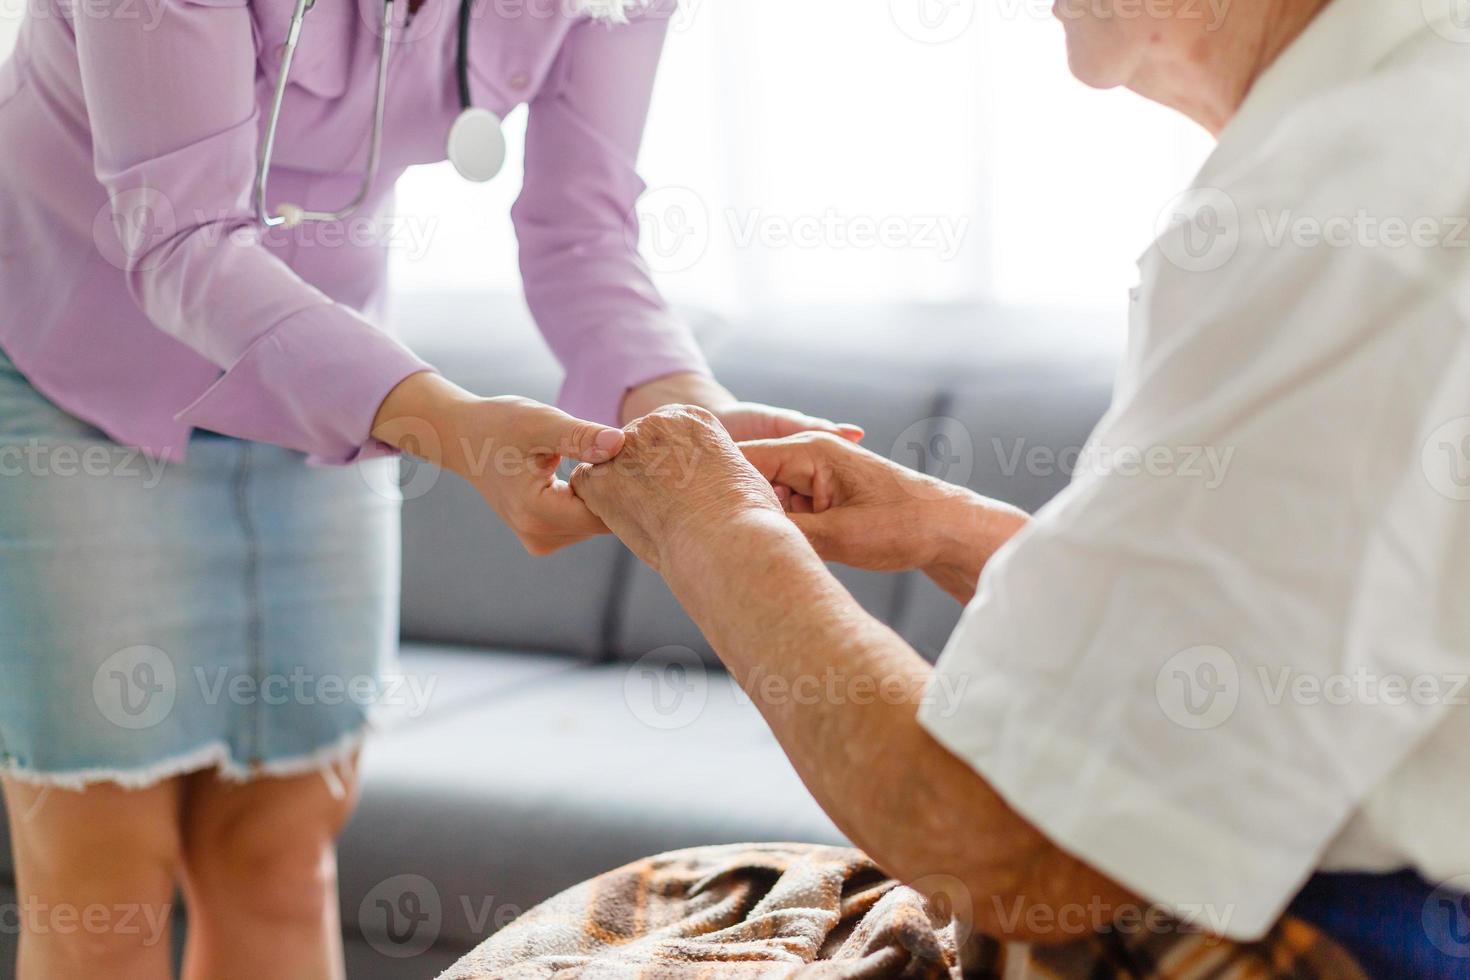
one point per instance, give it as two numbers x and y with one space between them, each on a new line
597 382
313 383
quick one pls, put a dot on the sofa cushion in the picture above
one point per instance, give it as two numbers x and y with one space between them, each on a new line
480 813
1014 439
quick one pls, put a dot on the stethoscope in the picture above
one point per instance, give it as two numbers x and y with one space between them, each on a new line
476 140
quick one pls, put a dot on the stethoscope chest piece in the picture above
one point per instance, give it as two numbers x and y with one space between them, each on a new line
477 144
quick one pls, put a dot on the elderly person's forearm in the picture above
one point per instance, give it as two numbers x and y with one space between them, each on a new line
968 531
841 692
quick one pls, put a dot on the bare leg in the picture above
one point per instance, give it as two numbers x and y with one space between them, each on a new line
261 877
96 872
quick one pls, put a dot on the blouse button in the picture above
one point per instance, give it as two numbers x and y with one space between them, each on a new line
520 81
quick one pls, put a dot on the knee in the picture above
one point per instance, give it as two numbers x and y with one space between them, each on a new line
270 862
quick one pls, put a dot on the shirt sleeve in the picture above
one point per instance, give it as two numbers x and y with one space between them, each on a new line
172 106
1199 660
576 220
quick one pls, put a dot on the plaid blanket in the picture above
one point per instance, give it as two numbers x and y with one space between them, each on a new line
822 913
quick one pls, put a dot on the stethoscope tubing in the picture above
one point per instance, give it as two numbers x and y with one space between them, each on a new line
291 215
476 129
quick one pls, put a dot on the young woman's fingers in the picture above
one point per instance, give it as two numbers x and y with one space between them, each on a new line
557 512
550 430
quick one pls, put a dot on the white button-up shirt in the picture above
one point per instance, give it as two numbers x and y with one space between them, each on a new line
1236 649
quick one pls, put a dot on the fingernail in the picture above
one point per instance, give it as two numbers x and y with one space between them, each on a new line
608 441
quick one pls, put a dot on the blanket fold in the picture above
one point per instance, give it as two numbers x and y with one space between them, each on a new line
826 913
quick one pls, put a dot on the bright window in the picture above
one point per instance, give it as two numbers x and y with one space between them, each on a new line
864 151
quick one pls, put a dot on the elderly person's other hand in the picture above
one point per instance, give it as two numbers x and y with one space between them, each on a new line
743 420
678 472
860 509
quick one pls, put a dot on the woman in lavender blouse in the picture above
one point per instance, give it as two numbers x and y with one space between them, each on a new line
179 590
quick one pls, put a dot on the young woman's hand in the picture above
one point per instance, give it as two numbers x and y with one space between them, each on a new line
508 448
742 420
860 509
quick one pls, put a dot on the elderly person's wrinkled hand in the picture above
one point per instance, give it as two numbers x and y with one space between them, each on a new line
860 509
679 477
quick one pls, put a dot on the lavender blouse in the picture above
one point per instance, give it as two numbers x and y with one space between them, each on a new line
141 295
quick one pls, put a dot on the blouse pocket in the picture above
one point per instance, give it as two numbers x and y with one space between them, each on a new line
509 61
322 64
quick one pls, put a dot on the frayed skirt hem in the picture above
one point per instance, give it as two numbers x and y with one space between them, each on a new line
214 755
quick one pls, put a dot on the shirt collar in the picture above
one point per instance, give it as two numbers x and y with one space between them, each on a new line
1348 39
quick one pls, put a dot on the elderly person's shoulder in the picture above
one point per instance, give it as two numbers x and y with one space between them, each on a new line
1357 149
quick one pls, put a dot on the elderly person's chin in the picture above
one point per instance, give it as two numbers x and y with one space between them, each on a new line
1099 51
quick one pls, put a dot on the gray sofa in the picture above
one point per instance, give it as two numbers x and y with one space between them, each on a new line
575 719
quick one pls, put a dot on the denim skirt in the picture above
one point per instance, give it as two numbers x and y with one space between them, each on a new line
236 611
